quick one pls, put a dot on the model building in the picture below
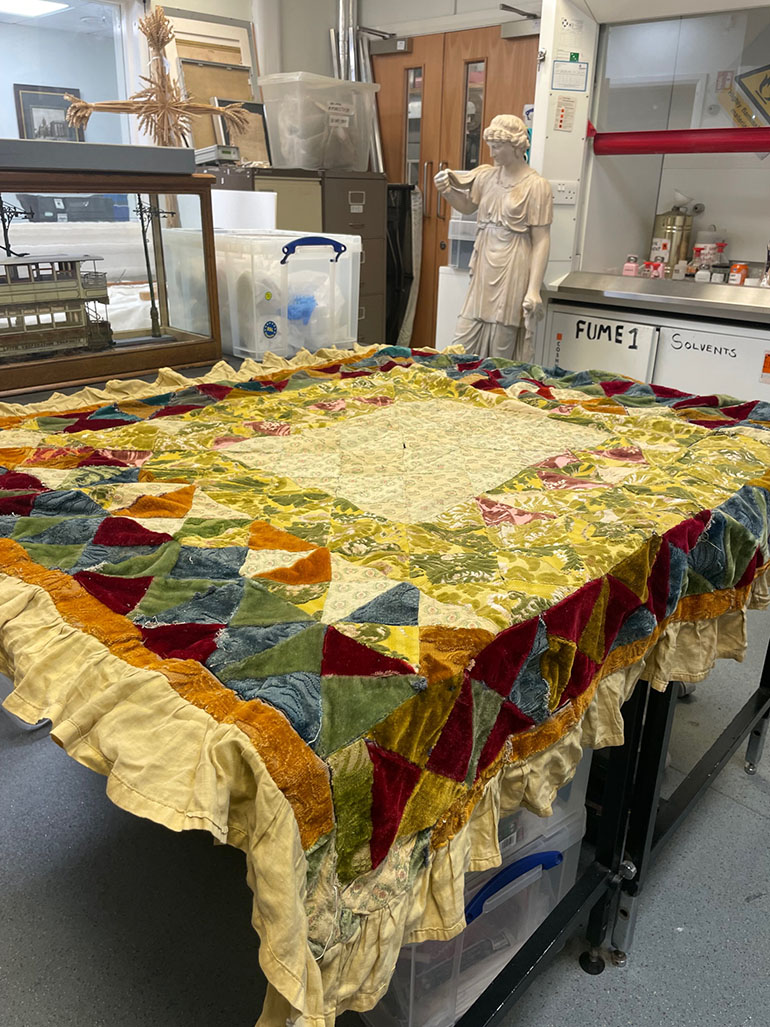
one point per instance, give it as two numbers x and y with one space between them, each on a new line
48 304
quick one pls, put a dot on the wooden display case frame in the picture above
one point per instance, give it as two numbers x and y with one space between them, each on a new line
122 361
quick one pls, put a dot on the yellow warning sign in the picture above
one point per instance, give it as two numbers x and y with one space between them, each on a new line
756 85
737 108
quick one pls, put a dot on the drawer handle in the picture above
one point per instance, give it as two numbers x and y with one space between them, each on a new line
361 313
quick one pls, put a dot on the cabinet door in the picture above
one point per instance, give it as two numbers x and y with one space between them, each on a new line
409 104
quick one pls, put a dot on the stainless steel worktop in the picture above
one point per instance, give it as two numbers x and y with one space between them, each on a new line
702 299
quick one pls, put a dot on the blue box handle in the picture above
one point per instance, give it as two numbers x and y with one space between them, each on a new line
547 860
313 240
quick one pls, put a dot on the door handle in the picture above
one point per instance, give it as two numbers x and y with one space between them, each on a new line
441 202
425 193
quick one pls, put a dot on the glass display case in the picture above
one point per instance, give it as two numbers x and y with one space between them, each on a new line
89 284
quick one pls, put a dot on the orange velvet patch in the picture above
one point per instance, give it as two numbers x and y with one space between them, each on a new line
446 652
309 570
297 771
171 504
13 457
264 536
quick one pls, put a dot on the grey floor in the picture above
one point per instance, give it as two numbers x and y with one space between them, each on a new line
106 919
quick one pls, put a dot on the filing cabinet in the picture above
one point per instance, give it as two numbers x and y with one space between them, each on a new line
345 202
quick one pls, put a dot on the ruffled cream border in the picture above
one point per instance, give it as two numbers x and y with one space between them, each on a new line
174 764
118 389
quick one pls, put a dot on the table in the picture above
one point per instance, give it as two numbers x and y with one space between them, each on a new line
343 614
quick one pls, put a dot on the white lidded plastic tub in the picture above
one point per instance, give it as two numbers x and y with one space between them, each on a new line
318 123
435 982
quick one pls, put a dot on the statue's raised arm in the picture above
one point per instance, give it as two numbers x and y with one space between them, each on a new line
515 210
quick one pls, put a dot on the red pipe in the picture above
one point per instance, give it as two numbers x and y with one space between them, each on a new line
690 140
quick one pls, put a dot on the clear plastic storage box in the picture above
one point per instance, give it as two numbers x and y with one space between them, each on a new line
435 982
462 234
283 292
318 123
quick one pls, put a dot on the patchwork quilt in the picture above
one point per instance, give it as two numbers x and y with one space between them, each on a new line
343 612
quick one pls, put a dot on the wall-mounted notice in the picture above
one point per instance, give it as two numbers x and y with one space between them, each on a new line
571 75
564 113
587 341
765 375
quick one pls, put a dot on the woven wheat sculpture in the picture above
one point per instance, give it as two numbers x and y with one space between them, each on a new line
163 112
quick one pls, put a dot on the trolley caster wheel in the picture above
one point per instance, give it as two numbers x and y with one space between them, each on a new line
592 962
750 768
686 689
619 959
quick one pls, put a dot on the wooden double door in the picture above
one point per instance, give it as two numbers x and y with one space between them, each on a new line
434 103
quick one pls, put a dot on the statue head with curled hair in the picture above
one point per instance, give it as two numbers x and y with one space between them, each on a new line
507 128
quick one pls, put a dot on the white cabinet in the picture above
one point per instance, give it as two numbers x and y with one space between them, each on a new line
585 339
714 359
452 286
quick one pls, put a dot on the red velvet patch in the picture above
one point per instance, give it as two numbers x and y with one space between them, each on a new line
510 721
664 392
748 575
615 388
583 670
216 392
96 459
659 580
21 505
739 410
452 752
394 780
15 481
469 365
182 641
85 423
343 655
355 374
568 618
119 594
685 534
697 401
183 408
622 602
123 531
726 422
499 663
487 384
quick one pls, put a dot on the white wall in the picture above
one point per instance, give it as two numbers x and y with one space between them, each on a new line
305 44
735 188
240 9
75 60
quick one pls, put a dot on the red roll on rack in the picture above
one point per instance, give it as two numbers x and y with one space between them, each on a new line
690 140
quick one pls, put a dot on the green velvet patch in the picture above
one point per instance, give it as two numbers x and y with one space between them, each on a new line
62 557
28 527
260 607
486 706
352 777
161 562
351 705
301 652
203 528
164 593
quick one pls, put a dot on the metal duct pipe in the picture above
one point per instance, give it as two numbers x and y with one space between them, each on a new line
343 52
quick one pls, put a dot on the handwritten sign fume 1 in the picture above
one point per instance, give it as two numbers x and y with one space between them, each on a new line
582 342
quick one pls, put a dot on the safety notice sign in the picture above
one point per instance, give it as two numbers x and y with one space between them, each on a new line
756 85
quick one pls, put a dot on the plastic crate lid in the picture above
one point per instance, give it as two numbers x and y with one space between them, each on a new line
284 78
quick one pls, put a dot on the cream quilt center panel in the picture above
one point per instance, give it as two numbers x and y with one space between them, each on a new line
413 461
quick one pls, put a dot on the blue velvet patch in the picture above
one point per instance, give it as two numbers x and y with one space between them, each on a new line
530 690
215 605
707 558
68 502
640 624
194 562
8 523
235 644
296 695
93 555
677 578
73 531
399 606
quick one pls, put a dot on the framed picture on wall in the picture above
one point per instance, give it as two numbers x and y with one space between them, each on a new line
253 143
41 110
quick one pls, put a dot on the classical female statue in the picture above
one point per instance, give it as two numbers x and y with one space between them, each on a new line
515 210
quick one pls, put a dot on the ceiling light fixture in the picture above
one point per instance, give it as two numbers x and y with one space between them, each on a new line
31 8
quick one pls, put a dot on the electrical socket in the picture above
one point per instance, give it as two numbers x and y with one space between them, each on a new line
565 192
